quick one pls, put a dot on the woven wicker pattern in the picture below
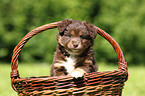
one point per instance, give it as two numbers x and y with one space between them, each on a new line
109 83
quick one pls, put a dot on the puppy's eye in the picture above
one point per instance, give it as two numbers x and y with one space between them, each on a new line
82 37
85 37
68 35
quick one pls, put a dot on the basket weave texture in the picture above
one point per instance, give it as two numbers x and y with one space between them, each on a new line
108 83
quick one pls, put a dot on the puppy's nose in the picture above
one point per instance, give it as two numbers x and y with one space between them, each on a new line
75 45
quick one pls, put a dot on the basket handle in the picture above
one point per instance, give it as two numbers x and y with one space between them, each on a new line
14 62
18 48
122 64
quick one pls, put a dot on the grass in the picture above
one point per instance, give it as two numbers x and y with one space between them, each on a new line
133 87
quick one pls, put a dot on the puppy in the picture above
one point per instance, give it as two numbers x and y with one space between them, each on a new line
74 53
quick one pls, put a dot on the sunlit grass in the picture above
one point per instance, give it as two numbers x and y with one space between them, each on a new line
133 87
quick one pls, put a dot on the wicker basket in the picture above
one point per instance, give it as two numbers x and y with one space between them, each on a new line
108 83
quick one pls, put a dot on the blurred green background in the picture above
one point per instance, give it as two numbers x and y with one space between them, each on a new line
124 20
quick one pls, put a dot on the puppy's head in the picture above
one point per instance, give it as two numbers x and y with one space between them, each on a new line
76 36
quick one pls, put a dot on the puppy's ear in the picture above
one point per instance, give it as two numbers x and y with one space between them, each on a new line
92 30
62 26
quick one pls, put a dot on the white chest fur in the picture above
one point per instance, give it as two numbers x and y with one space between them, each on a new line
69 64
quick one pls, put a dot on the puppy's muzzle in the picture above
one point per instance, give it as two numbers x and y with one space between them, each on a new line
75 44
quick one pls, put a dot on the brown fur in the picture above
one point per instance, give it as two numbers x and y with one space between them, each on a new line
75 39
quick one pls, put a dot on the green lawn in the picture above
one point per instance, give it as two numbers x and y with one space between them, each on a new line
133 87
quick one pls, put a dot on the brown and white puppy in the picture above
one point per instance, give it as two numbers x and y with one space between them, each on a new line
74 53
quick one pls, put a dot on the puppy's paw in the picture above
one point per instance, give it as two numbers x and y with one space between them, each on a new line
77 73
